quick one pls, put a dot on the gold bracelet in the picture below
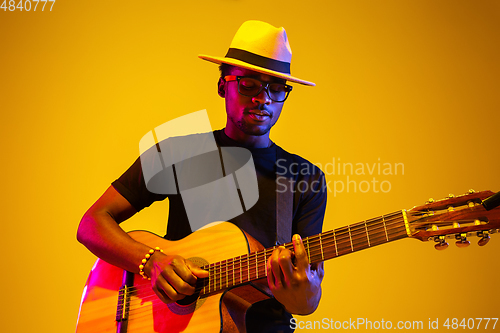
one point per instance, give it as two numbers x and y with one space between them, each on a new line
145 260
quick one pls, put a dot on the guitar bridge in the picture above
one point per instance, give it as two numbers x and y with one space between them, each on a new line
122 307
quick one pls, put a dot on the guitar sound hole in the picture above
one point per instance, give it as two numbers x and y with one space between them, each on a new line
188 300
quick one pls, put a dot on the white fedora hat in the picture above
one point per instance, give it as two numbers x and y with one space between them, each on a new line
260 47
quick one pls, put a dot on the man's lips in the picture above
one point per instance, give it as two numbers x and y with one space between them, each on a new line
259 114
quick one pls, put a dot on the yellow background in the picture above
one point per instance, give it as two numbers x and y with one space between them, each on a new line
412 82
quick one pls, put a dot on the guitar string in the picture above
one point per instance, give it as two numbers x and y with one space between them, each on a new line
249 259
253 275
324 236
244 262
143 310
261 271
339 233
312 253
313 246
343 247
153 298
315 255
133 309
313 250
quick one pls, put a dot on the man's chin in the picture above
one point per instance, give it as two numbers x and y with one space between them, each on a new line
253 129
256 130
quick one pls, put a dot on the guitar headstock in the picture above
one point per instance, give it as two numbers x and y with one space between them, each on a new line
457 217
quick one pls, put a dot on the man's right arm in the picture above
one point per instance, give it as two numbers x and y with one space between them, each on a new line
172 276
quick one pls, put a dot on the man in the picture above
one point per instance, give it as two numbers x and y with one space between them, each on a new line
253 83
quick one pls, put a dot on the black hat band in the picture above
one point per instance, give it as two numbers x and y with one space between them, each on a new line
258 60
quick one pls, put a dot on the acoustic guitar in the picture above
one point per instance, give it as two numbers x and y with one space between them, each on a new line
114 300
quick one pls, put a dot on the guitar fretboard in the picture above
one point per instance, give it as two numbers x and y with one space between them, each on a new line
324 246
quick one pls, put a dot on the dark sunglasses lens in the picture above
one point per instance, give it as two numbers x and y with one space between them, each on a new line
249 86
277 92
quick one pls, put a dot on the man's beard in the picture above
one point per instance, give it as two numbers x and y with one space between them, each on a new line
252 129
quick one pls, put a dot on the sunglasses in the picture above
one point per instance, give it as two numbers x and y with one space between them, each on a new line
251 87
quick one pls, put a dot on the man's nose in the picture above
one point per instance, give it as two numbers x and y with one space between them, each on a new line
262 97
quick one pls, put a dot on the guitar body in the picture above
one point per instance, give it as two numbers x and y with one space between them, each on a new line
222 312
238 265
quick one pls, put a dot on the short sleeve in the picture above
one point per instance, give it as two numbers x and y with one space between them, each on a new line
309 193
310 211
131 185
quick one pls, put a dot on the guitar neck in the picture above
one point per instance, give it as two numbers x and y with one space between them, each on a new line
321 247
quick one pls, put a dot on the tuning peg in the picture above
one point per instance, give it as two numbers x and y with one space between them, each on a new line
462 244
441 243
485 238
441 246
483 241
451 196
471 191
462 240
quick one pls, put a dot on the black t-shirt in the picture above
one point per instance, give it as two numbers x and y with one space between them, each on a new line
309 195
309 201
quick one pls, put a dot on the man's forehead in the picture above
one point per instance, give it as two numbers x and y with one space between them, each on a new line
240 71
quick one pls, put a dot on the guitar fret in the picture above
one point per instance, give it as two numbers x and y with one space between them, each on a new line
242 269
226 273
221 281
335 242
367 236
209 277
214 276
308 250
233 274
321 247
385 228
248 268
256 264
204 285
265 261
214 287
350 237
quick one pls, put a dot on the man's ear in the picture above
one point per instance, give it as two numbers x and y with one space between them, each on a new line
221 87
